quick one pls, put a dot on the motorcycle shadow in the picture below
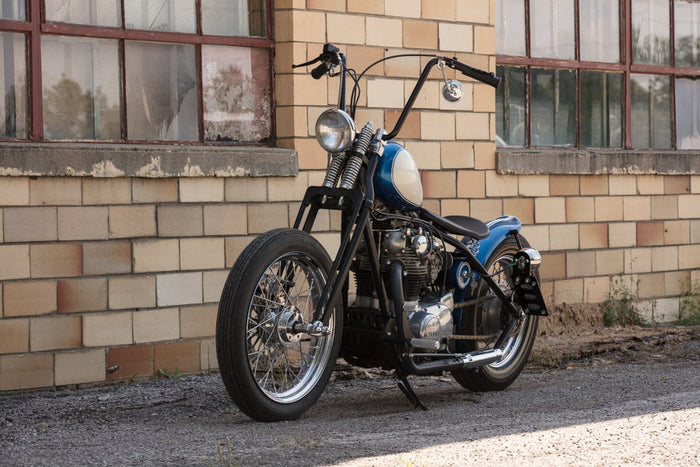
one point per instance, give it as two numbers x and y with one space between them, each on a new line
361 398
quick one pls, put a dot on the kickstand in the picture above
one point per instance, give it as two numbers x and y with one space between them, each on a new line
407 390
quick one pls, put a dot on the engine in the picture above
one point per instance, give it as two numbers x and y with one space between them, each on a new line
423 257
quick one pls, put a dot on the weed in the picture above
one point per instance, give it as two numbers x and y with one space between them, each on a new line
167 374
619 309
690 306
226 457
43 426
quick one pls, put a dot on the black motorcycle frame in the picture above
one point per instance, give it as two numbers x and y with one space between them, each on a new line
356 206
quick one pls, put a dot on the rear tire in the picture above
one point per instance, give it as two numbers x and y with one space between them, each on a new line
271 371
489 318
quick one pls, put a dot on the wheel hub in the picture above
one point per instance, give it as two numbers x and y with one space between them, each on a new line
286 335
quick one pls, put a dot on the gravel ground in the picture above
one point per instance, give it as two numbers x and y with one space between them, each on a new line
594 409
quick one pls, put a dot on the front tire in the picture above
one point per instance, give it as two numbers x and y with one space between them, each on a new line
271 371
488 319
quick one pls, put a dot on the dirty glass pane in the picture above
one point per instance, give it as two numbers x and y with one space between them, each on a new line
161 92
510 27
651 111
552 29
651 42
160 15
81 90
92 12
13 9
236 94
553 120
13 86
601 109
687 32
510 106
234 17
599 26
688 113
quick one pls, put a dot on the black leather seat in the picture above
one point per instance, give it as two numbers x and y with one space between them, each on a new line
460 225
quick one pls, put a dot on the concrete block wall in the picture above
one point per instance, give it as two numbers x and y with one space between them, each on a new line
113 278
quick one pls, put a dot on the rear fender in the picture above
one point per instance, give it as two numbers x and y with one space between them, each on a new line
500 228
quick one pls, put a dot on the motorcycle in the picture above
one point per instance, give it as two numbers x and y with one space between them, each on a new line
408 290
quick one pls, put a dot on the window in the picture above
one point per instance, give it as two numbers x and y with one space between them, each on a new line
135 70
598 73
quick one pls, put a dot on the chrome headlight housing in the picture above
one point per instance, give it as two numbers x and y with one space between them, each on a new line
335 130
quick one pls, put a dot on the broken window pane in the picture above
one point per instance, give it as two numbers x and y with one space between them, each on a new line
161 92
236 94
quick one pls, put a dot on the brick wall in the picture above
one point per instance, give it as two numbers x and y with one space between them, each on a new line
111 278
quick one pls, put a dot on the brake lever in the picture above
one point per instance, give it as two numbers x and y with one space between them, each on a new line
307 63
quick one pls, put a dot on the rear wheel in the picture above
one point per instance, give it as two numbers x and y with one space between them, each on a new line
273 363
488 319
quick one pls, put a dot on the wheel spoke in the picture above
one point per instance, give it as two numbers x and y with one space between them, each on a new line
285 365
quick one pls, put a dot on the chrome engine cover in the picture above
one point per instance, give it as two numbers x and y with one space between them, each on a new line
430 317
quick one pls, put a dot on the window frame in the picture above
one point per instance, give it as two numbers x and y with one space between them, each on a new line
35 26
625 67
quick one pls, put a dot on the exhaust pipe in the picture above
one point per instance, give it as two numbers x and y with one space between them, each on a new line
470 360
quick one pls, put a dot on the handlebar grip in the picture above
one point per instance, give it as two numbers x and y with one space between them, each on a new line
319 71
479 75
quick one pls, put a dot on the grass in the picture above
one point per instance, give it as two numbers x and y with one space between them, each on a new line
690 306
619 309
169 375
224 453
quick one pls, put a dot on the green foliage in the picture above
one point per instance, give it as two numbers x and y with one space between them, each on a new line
167 374
690 307
619 309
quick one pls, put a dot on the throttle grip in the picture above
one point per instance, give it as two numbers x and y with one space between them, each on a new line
319 71
479 75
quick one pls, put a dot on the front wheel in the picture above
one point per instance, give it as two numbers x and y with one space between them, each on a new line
273 366
488 319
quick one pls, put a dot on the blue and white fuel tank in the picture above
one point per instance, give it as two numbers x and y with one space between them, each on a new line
397 181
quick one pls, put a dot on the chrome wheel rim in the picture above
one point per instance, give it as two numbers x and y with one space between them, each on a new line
287 365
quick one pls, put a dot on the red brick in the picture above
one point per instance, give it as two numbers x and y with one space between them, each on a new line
178 356
650 233
129 362
77 295
593 235
563 185
553 266
677 184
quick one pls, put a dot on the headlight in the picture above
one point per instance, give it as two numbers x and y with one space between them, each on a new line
335 130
